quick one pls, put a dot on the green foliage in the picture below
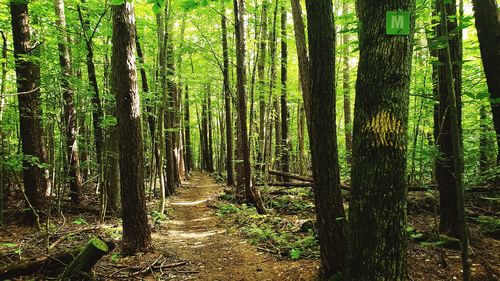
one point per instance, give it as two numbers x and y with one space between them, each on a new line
489 224
80 221
158 217
271 232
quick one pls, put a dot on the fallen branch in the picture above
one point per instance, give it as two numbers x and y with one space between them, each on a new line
290 175
64 237
38 264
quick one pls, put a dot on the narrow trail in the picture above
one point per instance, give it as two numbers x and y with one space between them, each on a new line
195 234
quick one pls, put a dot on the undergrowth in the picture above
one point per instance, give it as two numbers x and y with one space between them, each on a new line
284 236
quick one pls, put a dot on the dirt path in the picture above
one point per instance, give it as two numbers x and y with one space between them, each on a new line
195 234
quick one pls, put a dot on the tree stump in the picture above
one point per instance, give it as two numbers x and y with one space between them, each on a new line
81 266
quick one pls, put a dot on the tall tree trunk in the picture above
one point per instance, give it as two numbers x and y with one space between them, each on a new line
227 101
455 135
488 32
377 210
322 137
145 90
30 113
346 85
486 144
187 132
274 114
300 43
285 145
173 178
75 181
136 231
252 194
261 70
445 173
160 144
210 131
204 134
2 106
97 112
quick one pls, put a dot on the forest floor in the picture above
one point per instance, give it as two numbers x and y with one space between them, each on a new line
207 236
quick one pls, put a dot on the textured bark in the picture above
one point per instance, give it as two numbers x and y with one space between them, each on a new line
227 101
274 114
285 154
30 123
3 198
488 30
136 231
172 174
322 137
160 145
252 194
75 181
456 142
261 72
445 172
300 43
377 210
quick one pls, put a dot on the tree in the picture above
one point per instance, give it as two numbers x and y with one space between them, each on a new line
322 137
285 154
75 184
136 231
445 167
31 130
227 100
252 194
377 209
456 143
488 31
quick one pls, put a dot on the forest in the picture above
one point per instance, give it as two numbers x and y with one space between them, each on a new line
353 140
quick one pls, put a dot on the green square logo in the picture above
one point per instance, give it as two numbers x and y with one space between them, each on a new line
397 23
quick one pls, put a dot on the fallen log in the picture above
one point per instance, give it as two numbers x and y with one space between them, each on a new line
290 175
81 266
38 264
41 264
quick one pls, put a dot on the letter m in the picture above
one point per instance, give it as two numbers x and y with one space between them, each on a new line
397 22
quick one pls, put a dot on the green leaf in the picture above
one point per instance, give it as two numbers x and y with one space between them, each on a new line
117 2
295 254
156 8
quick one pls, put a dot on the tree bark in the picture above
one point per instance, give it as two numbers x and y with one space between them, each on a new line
261 70
488 32
136 231
445 172
456 142
30 112
75 181
252 194
377 210
285 142
322 137
227 101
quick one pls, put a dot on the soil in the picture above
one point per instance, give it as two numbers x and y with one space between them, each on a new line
193 243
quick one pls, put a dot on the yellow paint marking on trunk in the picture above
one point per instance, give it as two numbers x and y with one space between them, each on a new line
384 127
